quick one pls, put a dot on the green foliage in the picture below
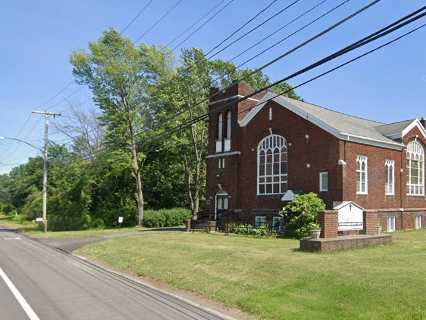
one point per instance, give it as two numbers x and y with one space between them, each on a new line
248 229
139 91
299 216
166 217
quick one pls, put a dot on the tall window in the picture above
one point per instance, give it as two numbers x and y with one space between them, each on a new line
227 141
415 169
272 165
361 175
228 125
220 127
219 141
389 177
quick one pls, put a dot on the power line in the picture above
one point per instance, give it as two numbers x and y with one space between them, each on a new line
174 6
255 28
280 29
292 34
68 84
299 46
195 23
136 16
364 41
242 26
359 43
202 25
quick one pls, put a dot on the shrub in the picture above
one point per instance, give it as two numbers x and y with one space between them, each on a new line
299 216
166 217
248 229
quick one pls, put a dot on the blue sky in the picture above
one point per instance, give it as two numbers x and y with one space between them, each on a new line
38 37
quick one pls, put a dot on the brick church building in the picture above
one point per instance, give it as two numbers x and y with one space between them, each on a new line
261 153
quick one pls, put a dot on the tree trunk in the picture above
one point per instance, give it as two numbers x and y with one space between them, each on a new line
139 191
196 196
135 165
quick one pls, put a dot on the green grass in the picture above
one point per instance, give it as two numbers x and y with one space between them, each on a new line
32 229
271 279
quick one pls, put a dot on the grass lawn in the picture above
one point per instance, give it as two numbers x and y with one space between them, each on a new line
33 230
271 279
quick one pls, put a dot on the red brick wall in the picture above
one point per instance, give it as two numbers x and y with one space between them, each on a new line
328 222
320 151
371 220
376 197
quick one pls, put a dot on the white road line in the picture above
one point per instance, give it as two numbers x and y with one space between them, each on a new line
24 304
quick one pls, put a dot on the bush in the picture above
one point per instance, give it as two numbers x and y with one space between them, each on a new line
248 229
299 216
7 208
166 217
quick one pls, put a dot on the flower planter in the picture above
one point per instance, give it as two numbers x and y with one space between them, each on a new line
315 234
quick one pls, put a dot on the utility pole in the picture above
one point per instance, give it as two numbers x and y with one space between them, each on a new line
46 116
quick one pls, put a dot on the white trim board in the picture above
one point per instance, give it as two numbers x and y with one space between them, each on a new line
411 126
239 96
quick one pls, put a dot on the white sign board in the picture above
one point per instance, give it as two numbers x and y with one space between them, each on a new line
349 216
120 220
39 220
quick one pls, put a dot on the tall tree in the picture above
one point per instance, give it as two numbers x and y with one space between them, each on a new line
122 78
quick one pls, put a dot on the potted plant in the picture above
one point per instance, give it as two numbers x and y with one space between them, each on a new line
315 231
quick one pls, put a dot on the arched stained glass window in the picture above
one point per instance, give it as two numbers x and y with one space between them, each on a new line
415 169
272 165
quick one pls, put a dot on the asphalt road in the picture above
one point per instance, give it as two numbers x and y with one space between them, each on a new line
38 282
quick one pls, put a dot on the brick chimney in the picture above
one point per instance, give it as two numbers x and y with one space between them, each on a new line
222 100
224 103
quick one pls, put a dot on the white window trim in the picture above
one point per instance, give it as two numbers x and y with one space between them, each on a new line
418 226
270 113
321 177
281 180
362 159
222 195
390 188
415 149
391 224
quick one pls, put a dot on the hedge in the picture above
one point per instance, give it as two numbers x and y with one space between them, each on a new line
166 217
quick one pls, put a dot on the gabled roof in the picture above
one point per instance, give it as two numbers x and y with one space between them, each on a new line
394 129
346 203
341 125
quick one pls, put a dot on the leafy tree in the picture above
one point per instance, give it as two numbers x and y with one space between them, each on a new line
122 78
299 216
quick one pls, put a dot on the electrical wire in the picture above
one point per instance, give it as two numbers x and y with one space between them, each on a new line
279 29
293 33
136 16
242 26
254 28
299 46
202 25
195 23
364 41
157 22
